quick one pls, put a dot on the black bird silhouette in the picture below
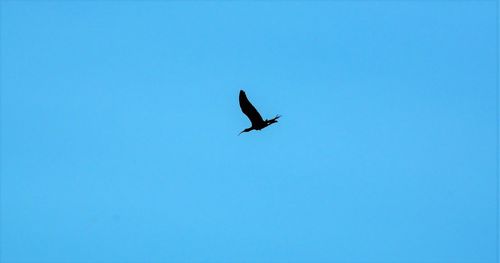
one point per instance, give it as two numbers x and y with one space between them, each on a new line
257 122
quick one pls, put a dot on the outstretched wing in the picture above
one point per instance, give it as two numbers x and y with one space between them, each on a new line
249 110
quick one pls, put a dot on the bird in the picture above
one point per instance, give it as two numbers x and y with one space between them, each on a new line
249 110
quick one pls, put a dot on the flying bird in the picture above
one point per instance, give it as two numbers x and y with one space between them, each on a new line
248 109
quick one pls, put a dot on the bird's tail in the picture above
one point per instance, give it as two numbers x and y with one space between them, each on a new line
273 120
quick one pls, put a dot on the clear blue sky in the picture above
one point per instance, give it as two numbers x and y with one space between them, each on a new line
120 120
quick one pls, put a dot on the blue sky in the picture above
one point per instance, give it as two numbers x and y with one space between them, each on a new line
119 123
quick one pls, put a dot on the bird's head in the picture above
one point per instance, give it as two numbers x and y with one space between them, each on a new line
246 130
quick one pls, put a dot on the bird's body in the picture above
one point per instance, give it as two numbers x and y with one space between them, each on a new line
258 123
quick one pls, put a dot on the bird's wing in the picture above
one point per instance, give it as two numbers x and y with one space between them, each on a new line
249 109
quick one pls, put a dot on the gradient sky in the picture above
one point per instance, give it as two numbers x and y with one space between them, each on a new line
119 123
